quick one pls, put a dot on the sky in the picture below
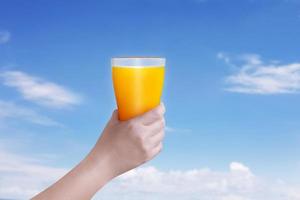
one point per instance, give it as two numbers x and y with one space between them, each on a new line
231 93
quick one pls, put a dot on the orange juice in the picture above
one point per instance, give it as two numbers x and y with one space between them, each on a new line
137 89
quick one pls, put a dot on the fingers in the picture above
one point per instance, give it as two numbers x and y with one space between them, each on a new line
156 127
114 117
152 115
157 138
156 150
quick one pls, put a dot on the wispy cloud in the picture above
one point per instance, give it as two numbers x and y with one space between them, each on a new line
4 37
40 91
177 130
22 176
239 183
9 110
254 76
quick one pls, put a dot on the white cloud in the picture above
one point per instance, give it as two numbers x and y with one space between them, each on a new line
239 183
22 176
40 91
235 166
9 110
253 76
4 37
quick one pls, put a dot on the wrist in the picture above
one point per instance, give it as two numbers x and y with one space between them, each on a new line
101 167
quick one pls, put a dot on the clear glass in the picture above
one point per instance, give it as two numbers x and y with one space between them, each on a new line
138 61
138 84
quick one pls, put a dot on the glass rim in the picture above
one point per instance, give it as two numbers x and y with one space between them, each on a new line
138 61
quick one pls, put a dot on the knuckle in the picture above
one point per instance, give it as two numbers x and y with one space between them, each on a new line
161 147
163 122
163 108
163 135
144 150
157 112
159 151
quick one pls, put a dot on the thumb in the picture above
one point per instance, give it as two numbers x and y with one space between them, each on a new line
115 116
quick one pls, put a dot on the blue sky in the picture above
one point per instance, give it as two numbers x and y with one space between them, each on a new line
231 91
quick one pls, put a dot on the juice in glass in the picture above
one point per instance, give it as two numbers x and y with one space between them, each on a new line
138 84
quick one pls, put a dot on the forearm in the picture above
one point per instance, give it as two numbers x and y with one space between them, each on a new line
83 181
121 147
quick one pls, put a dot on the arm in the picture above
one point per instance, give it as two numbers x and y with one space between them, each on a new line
122 146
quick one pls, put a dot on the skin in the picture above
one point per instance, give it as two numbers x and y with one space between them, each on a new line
122 146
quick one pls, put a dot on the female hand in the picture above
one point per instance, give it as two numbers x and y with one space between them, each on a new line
122 146
133 142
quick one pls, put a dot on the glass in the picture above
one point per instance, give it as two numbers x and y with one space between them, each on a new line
138 84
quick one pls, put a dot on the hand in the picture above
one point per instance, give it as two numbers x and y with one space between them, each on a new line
122 146
133 142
